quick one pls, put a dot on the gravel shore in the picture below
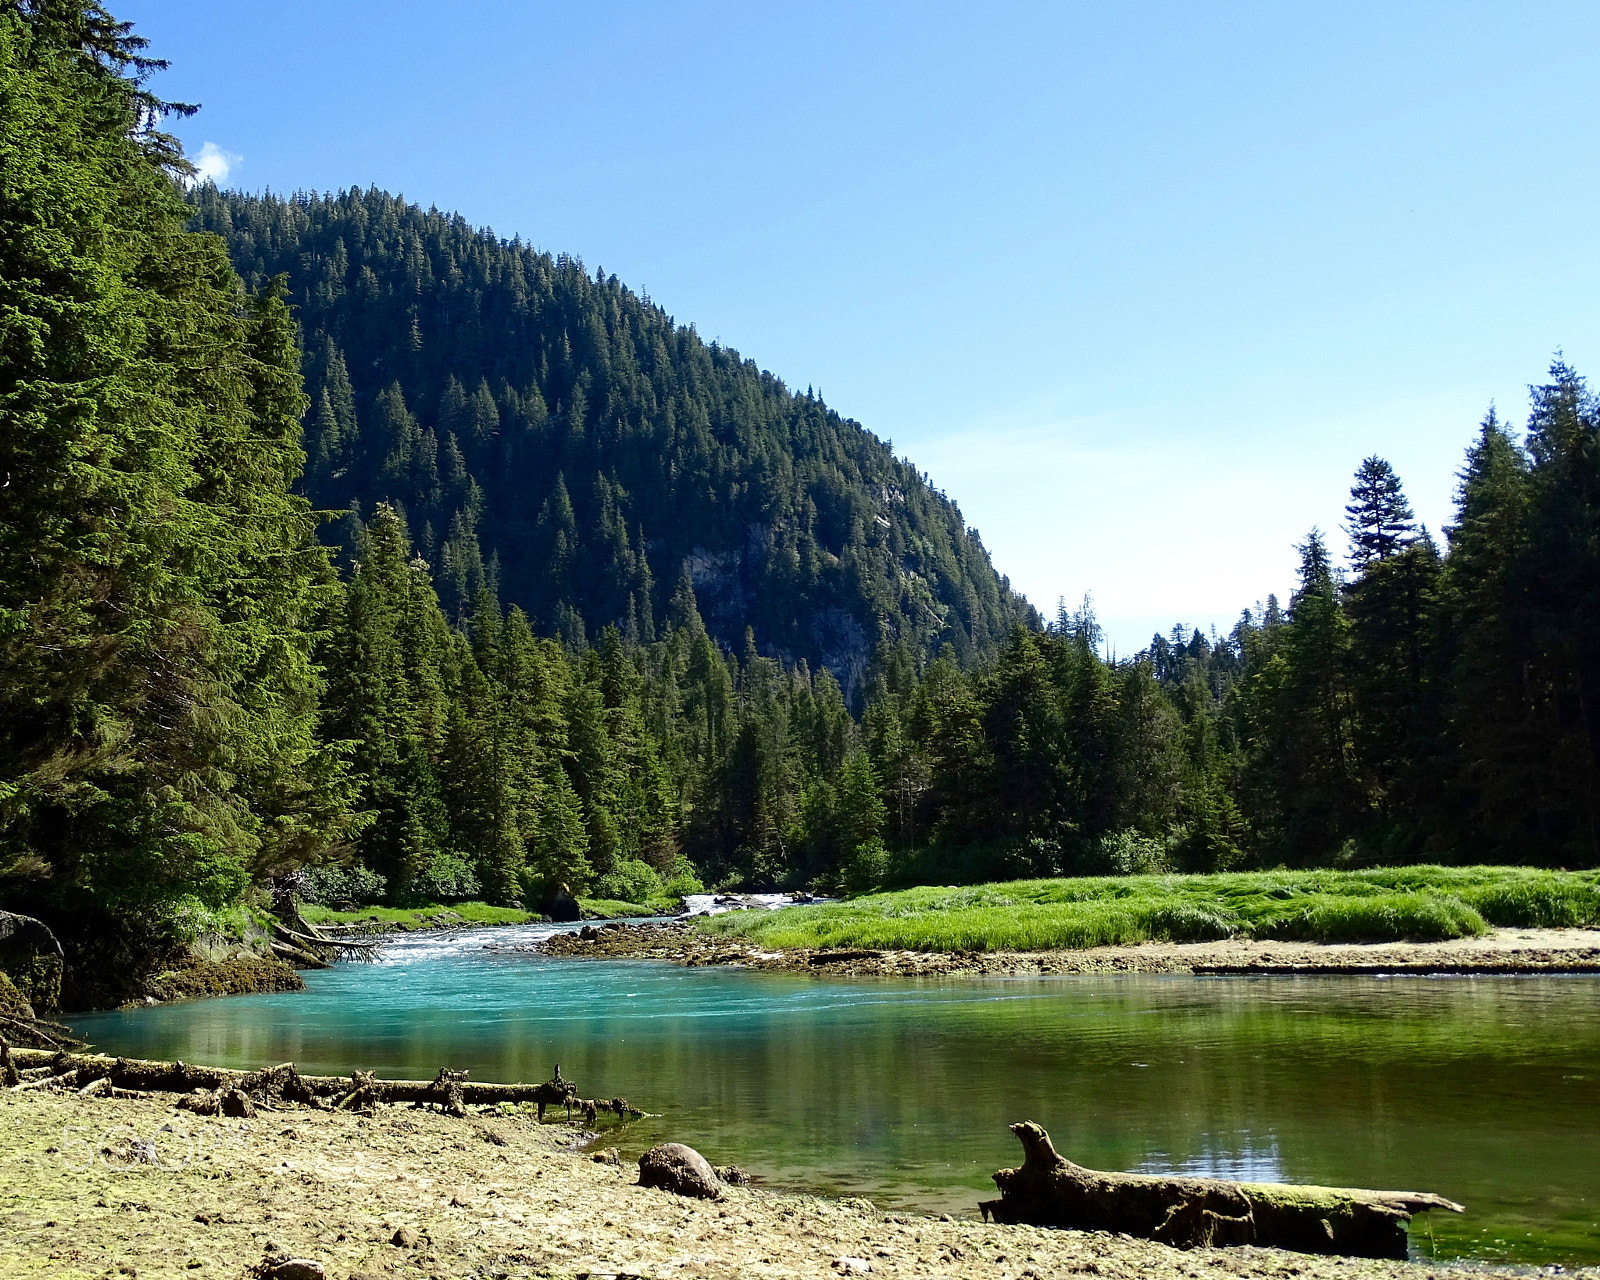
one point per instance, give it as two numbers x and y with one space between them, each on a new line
1501 951
108 1187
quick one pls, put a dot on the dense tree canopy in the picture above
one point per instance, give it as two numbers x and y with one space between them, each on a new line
551 434
158 580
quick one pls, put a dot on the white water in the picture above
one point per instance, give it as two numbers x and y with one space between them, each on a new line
714 904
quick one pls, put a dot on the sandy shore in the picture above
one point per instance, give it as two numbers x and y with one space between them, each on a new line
1502 951
494 1196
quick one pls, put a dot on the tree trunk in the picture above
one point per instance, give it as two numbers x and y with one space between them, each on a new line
1050 1191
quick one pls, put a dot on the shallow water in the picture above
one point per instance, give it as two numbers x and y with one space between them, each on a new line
1484 1089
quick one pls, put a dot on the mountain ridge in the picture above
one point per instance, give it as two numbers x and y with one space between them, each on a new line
562 442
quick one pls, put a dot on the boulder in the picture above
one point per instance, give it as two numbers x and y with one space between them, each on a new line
295 1269
677 1168
562 907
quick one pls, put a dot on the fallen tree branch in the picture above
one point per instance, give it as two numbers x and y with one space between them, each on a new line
300 955
338 944
52 1034
310 939
450 1090
65 1080
1050 1191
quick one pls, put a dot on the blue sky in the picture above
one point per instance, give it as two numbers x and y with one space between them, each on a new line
1138 284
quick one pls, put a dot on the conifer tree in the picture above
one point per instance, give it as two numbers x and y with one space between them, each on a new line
1381 520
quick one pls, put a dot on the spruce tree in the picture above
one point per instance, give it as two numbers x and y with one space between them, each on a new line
1381 520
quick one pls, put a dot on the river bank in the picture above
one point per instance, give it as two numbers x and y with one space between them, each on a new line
1501 951
93 1187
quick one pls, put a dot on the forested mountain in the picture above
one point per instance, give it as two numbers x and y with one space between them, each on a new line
557 437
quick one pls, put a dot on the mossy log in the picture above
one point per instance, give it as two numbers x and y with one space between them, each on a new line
1050 1191
449 1090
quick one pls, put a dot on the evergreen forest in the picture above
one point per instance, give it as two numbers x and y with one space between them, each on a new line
345 545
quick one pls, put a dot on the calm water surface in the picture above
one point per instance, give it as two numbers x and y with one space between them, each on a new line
1484 1089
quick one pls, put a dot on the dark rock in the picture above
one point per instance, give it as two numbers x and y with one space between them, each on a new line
563 907
296 1269
733 1175
589 933
405 1238
841 957
675 1167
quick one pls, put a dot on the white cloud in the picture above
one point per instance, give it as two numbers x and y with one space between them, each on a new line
213 164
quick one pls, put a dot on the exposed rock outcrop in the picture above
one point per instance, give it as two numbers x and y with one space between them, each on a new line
677 1168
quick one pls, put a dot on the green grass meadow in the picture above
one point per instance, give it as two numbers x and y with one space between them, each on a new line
1421 904
431 916
459 914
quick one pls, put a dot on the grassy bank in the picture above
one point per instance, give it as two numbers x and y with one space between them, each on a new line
432 916
462 914
1399 904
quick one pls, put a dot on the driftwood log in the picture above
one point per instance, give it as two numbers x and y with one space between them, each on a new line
213 1089
1050 1191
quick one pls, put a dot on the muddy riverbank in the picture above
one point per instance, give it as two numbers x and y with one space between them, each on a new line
1500 951
98 1187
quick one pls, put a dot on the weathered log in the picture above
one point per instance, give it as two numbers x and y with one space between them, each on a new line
66 1080
300 956
1050 1191
283 1083
315 943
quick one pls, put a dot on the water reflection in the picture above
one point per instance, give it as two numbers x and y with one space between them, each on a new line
1243 1163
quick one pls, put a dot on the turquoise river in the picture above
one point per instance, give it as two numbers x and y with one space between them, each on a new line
1484 1089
